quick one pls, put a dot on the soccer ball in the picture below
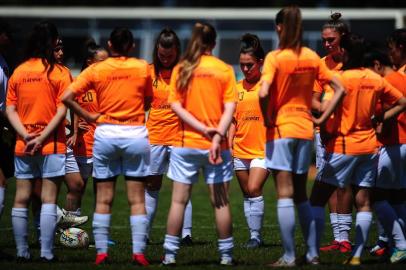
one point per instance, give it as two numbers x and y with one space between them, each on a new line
74 238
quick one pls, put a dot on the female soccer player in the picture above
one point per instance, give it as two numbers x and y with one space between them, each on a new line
79 161
351 157
247 136
286 95
121 147
340 202
162 125
203 95
35 110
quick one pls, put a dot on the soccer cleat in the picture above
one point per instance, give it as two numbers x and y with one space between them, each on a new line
69 220
101 258
335 245
379 249
345 247
253 243
353 261
398 256
186 241
226 261
304 261
168 261
46 260
139 259
281 262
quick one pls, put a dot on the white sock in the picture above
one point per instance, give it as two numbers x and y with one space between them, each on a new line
362 224
286 219
139 227
335 225
101 225
171 246
319 217
381 232
308 225
344 225
19 219
225 247
400 210
256 216
48 225
389 220
187 220
2 191
151 204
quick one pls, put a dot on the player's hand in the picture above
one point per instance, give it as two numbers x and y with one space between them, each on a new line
71 140
83 126
215 150
209 132
33 145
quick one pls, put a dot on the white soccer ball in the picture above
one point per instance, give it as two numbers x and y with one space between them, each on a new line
74 238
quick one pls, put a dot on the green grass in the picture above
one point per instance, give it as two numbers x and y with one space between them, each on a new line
202 255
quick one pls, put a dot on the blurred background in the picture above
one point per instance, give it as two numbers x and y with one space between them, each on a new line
79 20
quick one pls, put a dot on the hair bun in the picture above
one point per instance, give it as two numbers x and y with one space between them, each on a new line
335 16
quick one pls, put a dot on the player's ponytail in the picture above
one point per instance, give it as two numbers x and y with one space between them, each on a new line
203 39
290 21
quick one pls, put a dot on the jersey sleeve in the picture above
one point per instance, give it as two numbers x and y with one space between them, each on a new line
83 82
173 91
230 93
269 69
63 83
390 95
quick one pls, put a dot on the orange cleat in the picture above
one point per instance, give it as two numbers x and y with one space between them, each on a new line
101 258
335 245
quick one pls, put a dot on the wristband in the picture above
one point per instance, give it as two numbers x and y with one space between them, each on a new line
221 135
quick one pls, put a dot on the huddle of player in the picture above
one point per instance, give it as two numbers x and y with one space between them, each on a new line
200 118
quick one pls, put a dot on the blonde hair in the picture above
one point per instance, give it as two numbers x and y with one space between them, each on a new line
203 39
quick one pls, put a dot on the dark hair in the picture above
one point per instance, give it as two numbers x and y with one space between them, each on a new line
122 40
398 38
291 36
251 44
91 49
167 39
203 38
355 47
41 43
376 55
337 24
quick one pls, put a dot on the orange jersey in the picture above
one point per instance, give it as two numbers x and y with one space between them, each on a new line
395 129
351 126
85 138
212 84
121 84
292 80
162 122
250 132
36 96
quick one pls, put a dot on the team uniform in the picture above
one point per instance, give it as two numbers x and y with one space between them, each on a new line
162 125
249 150
352 157
289 137
36 96
212 84
121 144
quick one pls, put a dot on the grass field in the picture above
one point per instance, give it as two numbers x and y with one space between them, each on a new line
202 255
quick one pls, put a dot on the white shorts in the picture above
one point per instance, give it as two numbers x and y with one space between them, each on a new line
159 159
343 170
129 156
392 167
320 150
185 164
48 166
71 166
289 154
244 164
